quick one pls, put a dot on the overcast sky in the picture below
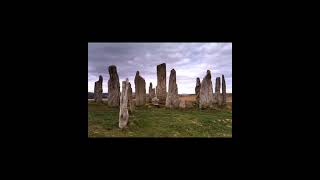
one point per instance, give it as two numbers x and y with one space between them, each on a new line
190 60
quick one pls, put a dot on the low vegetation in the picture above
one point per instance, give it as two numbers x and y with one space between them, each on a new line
149 121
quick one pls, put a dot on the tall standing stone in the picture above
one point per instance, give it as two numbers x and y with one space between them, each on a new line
172 100
197 90
140 87
152 93
124 114
150 89
130 99
161 88
98 90
217 92
206 92
113 87
224 91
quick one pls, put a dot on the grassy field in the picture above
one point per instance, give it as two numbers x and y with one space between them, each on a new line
150 121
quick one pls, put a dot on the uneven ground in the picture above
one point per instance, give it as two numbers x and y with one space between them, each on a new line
150 121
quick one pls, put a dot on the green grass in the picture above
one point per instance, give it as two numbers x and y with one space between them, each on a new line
159 122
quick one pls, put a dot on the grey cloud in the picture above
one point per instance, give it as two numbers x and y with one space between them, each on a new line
190 60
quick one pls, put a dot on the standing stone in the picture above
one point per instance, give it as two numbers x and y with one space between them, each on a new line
140 87
124 114
152 93
130 99
206 92
172 100
197 90
161 88
224 91
98 90
113 87
150 89
217 92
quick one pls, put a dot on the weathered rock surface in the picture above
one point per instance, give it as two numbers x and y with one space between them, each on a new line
124 114
152 93
217 94
130 99
206 92
98 91
140 87
161 89
113 87
197 90
172 100
224 91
